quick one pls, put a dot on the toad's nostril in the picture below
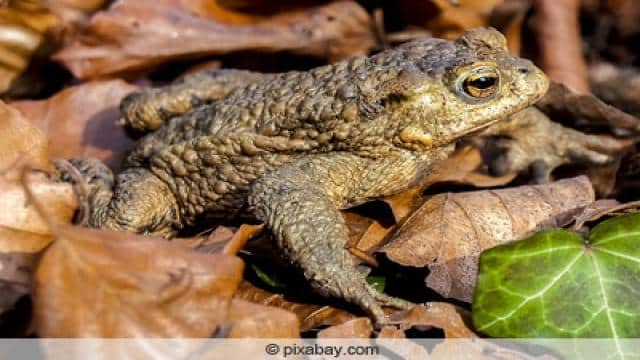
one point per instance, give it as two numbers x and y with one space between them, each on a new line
524 70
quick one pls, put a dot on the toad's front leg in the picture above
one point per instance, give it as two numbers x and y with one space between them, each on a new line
300 202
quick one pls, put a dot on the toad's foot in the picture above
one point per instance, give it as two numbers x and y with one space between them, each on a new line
136 201
534 142
299 203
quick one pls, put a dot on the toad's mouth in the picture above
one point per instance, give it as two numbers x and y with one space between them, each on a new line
477 129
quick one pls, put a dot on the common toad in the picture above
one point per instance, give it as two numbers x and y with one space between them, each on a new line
292 149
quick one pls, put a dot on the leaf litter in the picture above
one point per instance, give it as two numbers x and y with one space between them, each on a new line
95 283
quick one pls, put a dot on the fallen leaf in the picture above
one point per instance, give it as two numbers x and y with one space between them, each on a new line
82 121
447 317
22 229
23 25
459 168
310 316
240 238
355 328
447 19
21 141
508 17
107 284
137 36
449 231
557 284
558 32
562 103
617 86
259 321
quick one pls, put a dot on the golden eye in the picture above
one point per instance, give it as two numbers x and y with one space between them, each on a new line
480 83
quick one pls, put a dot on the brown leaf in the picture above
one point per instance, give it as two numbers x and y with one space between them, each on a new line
92 283
213 243
619 87
449 318
355 328
460 168
449 231
558 32
134 35
21 141
310 316
82 121
444 17
508 17
23 231
22 228
260 321
25 23
562 103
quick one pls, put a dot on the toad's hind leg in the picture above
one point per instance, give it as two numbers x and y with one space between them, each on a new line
137 201
299 203
149 109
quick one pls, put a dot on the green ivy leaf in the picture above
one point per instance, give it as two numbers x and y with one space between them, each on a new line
271 280
378 282
557 284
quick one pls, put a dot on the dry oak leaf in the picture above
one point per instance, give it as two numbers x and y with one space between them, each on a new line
82 121
108 284
136 36
22 142
449 231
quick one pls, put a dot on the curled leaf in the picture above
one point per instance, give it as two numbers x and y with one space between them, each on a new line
449 231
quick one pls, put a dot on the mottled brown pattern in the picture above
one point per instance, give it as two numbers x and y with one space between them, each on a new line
294 148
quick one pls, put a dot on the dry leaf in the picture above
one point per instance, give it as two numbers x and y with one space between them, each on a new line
22 228
21 141
82 121
93 283
460 168
355 328
134 35
23 24
311 316
616 86
446 18
558 32
72 12
259 321
449 318
449 231
508 17
562 103
23 232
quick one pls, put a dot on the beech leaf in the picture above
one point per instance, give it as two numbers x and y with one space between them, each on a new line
449 231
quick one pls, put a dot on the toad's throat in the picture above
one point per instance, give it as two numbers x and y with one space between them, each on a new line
414 135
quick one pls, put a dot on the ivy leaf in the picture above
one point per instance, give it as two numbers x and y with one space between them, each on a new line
558 284
377 281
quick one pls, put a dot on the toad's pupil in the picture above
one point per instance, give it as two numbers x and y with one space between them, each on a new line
483 82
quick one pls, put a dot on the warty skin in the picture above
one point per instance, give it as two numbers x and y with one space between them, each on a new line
293 149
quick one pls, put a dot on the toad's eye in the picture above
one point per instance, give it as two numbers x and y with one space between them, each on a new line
480 84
